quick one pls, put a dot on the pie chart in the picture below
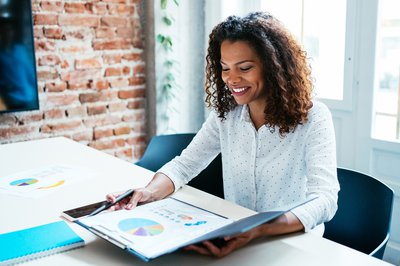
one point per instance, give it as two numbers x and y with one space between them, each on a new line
24 182
140 227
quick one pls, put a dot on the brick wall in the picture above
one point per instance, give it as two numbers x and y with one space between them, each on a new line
91 83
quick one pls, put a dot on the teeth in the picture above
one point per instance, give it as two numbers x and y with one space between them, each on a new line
238 89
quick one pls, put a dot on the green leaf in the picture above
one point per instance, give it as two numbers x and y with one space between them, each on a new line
176 2
160 38
163 4
167 20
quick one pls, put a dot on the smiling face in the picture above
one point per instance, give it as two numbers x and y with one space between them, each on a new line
242 73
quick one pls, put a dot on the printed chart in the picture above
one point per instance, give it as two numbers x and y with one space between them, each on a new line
141 227
39 182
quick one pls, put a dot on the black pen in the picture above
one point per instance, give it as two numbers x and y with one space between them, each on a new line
109 204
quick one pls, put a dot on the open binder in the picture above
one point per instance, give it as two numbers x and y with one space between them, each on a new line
164 226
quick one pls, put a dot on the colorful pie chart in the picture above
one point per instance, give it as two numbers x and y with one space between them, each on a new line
140 227
24 182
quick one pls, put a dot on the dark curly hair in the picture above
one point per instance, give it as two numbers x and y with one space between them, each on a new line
288 83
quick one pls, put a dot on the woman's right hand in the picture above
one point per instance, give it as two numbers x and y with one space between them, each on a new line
159 187
140 195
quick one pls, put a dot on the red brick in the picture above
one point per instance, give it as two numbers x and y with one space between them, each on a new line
83 136
96 110
112 59
132 57
78 86
78 34
47 75
49 60
125 154
119 83
112 44
51 6
126 70
134 117
44 46
100 85
89 97
9 133
81 75
98 8
114 1
79 20
107 119
73 49
54 113
116 107
59 127
122 131
8 120
75 8
61 100
53 33
78 111
121 9
55 87
139 69
114 21
88 63
125 32
137 104
103 32
38 32
31 117
134 81
102 133
127 94
44 19
112 71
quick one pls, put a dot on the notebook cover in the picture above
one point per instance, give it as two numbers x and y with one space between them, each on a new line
39 241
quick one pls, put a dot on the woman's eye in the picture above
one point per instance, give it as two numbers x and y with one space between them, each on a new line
245 68
225 69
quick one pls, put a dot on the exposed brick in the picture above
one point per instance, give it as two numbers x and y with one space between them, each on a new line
122 131
100 85
132 57
133 117
112 58
78 34
53 33
89 97
136 140
79 20
49 60
136 104
73 49
116 107
8 119
44 19
107 119
51 6
98 8
88 63
61 100
107 144
100 133
126 70
54 113
38 31
77 111
96 110
119 83
75 8
114 21
46 75
121 9
31 117
8 133
83 136
78 86
125 32
55 87
139 69
112 44
105 32
44 46
59 127
81 75
127 94
124 153
112 71
134 81
114 1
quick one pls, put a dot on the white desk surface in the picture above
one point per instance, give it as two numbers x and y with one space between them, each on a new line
114 174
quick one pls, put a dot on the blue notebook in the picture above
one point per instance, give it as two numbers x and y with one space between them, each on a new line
36 242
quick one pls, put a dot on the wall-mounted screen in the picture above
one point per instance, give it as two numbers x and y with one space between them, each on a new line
18 80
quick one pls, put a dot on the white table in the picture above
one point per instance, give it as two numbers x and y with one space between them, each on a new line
113 174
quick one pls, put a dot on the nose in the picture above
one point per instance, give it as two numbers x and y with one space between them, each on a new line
233 77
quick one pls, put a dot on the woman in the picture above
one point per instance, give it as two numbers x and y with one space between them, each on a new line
277 145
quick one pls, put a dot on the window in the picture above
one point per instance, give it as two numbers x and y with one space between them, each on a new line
387 69
320 26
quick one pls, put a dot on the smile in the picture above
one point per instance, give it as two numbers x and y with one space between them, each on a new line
238 89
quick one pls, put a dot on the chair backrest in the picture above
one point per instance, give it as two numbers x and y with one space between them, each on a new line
163 148
362 221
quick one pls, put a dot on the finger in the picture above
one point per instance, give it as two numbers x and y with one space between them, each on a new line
136 197
214 250
198 249
110 197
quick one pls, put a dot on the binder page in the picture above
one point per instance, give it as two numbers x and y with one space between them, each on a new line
155 228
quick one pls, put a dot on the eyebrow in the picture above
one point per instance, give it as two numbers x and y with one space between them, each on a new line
240 62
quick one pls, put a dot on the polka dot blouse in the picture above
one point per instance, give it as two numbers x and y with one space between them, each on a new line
263 170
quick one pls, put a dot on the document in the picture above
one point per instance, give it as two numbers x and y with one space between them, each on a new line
163 226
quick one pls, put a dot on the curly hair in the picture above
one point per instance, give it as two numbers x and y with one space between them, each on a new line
287 74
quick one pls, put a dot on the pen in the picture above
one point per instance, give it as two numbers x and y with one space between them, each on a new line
109 204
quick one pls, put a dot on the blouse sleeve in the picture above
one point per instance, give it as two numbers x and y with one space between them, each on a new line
204 147
321 173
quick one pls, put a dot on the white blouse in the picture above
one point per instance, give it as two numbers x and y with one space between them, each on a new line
263 170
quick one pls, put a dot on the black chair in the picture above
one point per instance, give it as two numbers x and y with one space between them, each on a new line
163 148
362 221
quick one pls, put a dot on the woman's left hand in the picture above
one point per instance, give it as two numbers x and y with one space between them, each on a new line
231 244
